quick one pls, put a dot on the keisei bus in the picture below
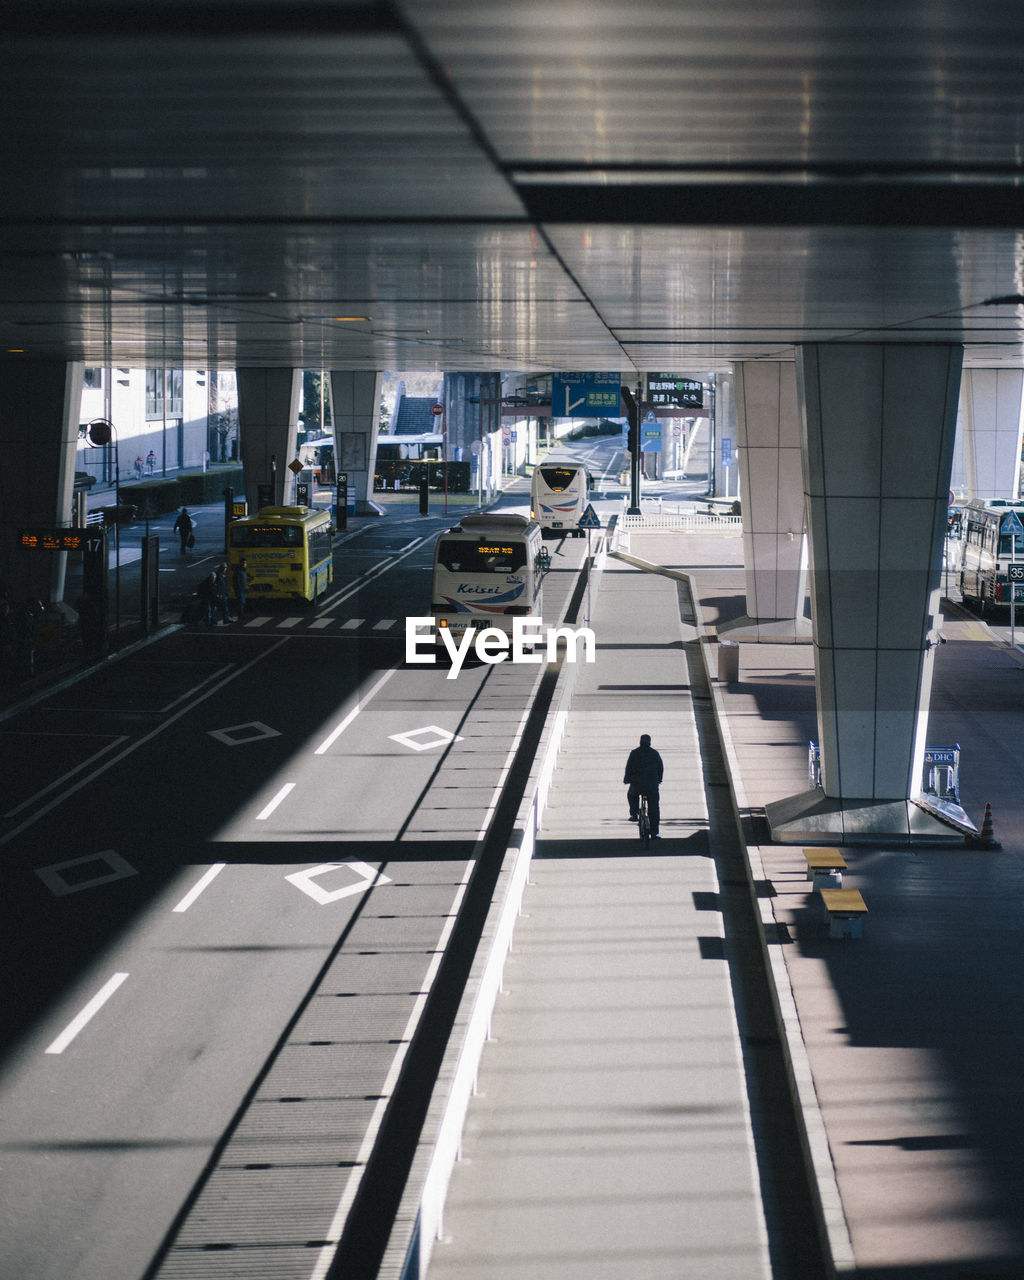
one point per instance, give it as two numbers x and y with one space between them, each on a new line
488 570
558 496
288 553
985 553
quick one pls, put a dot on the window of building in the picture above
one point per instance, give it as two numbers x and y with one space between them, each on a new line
164 393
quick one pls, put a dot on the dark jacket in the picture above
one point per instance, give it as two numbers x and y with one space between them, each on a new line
644 769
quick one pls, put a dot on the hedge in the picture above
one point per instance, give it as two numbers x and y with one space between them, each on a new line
187 489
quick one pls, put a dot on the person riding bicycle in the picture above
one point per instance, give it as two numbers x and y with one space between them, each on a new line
644 771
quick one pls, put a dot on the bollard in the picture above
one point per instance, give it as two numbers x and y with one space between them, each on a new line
728 661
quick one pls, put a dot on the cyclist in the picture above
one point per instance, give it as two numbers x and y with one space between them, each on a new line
644 771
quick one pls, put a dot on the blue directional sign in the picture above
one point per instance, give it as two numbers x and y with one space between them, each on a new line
585 395
589 520
650 434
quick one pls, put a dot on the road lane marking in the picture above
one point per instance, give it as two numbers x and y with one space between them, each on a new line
385 624
139 742
370 877
289 622
336 733
88 1013
351 623
269 809
321 622
368 577
58 782
199 886
114 868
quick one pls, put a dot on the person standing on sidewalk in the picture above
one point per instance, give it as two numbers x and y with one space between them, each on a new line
644 771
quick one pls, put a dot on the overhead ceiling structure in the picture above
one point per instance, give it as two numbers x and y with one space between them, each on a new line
508 184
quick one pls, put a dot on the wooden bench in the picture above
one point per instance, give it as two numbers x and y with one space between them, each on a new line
825 867
845 911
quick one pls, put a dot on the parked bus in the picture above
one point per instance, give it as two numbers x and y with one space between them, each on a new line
985 553
488 570
288 553
558 496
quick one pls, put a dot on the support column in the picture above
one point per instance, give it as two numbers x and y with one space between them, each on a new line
878 425
355 405
991 429
268 412
768 439
40 403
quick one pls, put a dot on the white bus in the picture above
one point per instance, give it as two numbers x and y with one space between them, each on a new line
986 554
558 496
488 570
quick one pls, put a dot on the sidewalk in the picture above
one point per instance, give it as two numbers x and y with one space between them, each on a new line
612 1137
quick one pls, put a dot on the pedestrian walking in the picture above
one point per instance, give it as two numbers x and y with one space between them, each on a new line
644 771
183 527
150 462
241 585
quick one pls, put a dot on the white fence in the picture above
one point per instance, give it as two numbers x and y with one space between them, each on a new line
685 522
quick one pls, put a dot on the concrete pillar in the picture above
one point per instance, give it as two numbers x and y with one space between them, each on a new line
268 412
39 408
355 405
768 440
990 428
879 423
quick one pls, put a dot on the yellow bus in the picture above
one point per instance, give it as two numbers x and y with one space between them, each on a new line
288 553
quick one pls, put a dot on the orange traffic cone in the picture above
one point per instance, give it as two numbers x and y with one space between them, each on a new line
987 839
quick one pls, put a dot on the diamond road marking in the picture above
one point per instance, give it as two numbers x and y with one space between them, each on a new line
441 738
111 867
254 731
306 881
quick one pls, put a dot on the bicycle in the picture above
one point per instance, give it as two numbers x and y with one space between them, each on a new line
644 823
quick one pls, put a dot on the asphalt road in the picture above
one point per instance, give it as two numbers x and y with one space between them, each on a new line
206 846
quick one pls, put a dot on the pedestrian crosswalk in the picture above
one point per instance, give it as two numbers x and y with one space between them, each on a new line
292 622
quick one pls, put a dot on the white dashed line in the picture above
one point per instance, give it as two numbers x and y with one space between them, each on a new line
199 886
88 1013
266 812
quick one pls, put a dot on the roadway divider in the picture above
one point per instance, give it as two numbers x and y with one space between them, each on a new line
419 1222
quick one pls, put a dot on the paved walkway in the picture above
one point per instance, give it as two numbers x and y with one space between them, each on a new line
610 1137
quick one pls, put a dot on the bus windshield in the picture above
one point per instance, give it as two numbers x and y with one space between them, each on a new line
458 555
266 535
558 479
